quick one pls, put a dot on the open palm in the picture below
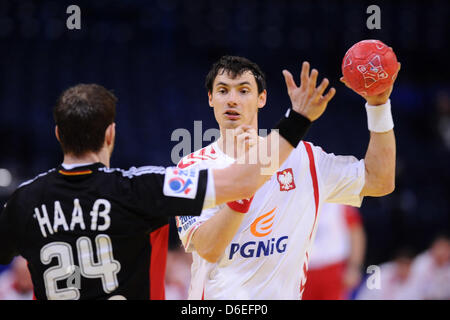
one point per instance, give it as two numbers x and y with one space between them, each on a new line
308 100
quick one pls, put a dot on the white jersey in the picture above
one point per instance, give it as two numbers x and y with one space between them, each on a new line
268 256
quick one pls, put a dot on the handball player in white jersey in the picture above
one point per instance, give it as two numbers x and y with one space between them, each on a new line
258 248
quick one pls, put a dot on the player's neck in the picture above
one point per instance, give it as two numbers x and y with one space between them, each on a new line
90 157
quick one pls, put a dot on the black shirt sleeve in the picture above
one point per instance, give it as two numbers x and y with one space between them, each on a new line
149 196
8 231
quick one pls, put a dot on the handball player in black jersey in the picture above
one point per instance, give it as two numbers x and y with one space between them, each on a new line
89 231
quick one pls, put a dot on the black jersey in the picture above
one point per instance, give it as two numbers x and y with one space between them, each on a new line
94 232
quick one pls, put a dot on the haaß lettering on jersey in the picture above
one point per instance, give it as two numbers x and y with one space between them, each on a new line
101 208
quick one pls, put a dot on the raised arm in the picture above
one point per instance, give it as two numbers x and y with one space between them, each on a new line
380 156
381 151
380 165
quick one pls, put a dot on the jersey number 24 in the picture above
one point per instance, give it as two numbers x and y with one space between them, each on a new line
105 268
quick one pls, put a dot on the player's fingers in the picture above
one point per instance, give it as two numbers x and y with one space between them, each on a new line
242 128
252 140
304 76
242 143
252 131
312 81
289 79
242 136
243 139
238 131
321 88
329 95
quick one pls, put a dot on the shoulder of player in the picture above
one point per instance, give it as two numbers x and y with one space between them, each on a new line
304 155
133 171
204 154
304 145
320 154
304 151
309 150
29 188
36 180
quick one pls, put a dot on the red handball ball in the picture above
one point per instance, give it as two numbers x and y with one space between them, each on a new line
370 67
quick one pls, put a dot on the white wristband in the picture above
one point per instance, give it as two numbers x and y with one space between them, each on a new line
379 118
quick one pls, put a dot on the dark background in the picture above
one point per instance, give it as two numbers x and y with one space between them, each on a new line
155 55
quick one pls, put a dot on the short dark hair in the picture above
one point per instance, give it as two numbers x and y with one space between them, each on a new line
235 66
82 114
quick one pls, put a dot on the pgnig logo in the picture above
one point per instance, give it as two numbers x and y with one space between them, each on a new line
261 227
257 248
179 184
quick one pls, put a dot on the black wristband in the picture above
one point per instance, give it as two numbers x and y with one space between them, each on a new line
293 127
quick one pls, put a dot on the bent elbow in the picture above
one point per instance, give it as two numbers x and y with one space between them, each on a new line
389 188
211 257
386 189
379 189
389 185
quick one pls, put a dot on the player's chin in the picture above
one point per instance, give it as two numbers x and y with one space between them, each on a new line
231 123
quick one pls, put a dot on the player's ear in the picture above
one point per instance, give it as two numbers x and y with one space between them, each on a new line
210 99
262 99
57 134
110 134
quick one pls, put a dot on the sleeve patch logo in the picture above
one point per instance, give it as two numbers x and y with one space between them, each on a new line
184 222
181 183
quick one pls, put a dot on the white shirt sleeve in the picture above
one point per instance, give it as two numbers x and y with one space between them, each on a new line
207 158
187 225
342 177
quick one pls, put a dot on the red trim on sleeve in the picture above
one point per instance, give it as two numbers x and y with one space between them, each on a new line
189 237
315 183
159 241
241 206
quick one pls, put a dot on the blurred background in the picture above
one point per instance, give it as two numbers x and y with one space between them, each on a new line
154 55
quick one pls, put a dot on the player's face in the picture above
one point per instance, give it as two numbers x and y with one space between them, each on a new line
236 101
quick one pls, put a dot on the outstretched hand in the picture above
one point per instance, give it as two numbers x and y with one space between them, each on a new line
308 100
